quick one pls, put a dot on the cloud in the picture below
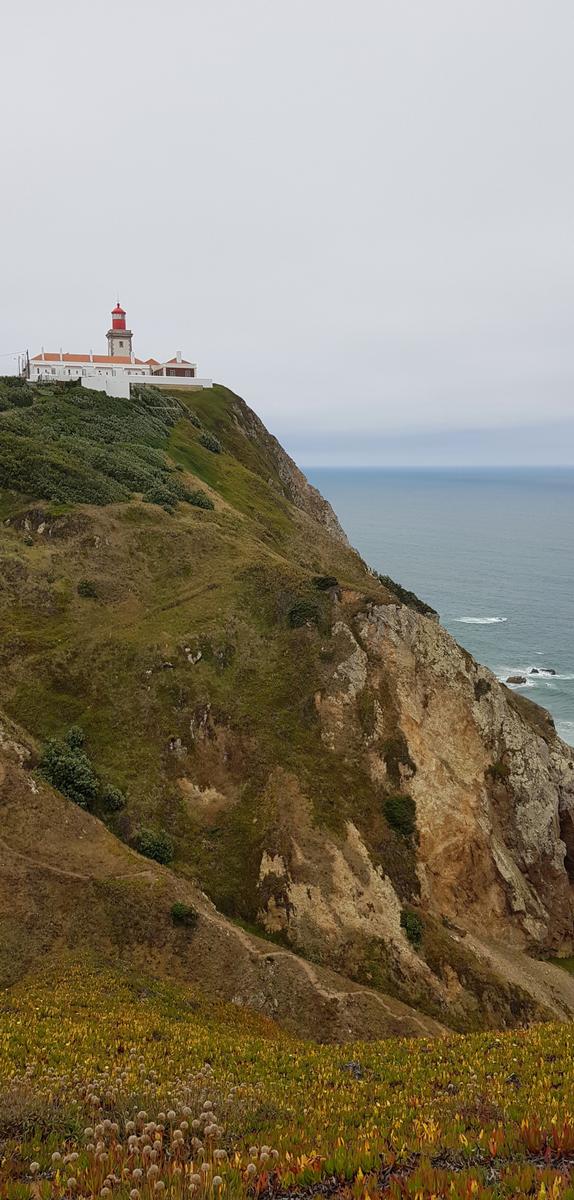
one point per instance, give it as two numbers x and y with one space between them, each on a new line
358 216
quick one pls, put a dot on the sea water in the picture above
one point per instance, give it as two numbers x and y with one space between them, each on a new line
491 549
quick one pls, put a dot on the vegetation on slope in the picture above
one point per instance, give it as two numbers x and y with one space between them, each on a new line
62 443
192 648
118 1085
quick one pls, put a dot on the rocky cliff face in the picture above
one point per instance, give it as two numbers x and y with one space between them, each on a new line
493 789
327 765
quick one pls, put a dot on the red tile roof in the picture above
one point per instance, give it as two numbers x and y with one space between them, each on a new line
85 358
179 362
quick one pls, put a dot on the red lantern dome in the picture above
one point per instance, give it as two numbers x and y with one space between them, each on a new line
118 317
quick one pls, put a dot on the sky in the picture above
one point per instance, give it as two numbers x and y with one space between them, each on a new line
358 215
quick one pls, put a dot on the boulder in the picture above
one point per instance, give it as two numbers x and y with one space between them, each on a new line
516 679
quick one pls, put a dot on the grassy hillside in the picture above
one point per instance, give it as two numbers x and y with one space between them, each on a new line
90 1059
176 605
187 644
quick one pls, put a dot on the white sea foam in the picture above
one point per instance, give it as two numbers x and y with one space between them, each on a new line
565 730
536 676
480 620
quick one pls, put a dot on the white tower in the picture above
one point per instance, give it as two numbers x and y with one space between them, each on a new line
119 338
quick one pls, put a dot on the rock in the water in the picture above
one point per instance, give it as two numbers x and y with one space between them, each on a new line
516 679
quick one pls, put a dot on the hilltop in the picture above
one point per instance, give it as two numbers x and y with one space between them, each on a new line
211 702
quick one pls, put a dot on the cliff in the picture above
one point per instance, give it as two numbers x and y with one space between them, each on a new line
326 767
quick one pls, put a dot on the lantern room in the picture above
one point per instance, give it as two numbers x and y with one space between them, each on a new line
118 317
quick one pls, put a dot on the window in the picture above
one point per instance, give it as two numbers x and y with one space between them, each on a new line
122 345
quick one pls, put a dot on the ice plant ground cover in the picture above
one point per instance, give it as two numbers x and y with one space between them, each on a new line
119 1086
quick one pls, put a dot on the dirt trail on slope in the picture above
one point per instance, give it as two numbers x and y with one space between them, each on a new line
399 1012
549 985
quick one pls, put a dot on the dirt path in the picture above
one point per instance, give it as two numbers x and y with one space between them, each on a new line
33 861
549 985
399 1012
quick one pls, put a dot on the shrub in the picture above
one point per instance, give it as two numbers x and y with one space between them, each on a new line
69 770
301 613
184 914
210 442
17 395
75 737
87 588
155 845
199 500
161 494
324 582
400 812
413 926
194 420
481 688
113 799
78 446
406 597
498 771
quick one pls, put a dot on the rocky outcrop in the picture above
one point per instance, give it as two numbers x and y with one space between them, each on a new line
493 790
66 881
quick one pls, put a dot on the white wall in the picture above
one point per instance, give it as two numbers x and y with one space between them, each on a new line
112 385
115 381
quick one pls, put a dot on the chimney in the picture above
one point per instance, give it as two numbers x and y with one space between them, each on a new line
42 351
91 356
61 354
178 355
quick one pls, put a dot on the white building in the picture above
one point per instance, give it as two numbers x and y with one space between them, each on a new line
113 372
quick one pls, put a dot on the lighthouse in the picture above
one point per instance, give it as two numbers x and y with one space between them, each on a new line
119 338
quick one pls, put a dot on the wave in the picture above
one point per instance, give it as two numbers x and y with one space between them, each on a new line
565 730
480 620
539 675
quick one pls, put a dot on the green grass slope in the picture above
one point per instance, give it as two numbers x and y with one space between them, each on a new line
169 593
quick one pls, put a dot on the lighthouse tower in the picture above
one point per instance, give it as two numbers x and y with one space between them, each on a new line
119 338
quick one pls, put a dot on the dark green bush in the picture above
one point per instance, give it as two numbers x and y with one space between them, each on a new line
17 395
112 799
406 597
324 582
87 588
412 925
184 914
69 770
400 812
78 446
75 737
194 419
199 499
498 771
155 845
161 494
210 442
301 613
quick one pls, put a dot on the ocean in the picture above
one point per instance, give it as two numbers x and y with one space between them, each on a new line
491 549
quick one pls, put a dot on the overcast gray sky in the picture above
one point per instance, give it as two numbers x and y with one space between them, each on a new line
359 215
